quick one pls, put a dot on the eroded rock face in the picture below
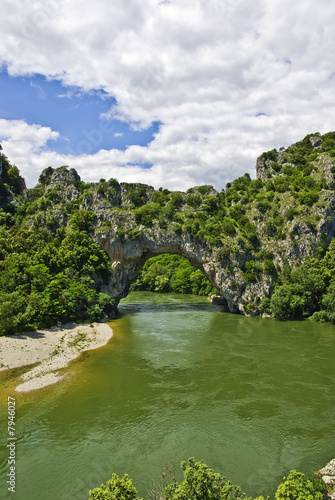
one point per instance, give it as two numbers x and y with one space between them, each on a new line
240 244
128 257
328 477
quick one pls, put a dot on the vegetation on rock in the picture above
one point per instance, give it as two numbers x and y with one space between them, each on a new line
265 244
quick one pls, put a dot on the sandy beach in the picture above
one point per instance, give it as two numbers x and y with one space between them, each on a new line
52 349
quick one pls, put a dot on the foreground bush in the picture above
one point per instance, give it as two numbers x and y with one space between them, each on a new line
115 489
202 483
297 487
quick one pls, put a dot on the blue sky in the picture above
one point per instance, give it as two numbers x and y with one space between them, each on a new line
76 115
172 94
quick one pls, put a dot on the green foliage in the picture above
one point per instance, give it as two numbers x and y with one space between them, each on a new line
11 177
250 231
263 205
83 220
194 200
287 302
147 213
45 177
228 228
172 273
177 228
269 267
270 155
327 312
202 483
252 270
115 489
249 216
265 306
309 198
46 279
291 213
138 195
309 290
297 487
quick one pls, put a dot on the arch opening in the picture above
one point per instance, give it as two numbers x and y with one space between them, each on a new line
128 257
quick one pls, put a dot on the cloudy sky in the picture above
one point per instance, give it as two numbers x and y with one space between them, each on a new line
172 93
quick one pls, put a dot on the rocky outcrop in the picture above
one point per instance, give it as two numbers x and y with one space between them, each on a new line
327 474
271 164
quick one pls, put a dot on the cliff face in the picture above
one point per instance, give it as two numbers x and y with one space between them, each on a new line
241 238
270 164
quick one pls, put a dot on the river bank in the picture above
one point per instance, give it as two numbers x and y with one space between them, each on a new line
49 351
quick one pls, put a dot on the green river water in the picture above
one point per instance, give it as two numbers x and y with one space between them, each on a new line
253 398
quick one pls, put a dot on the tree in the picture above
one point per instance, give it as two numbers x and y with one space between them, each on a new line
287 302
202 483
297 487
115 489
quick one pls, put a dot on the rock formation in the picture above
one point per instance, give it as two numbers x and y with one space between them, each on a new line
240 241
328 476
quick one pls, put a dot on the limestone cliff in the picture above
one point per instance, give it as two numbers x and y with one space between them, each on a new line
241 237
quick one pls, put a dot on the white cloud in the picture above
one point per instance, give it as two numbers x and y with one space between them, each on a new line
226 79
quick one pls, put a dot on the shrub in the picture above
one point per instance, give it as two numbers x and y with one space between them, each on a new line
291 213
251 270
309 198
223 253
115 489
138 195
83 220
265 306
287 302
228 228
201 483
269 267
276 167
250 231
263 206
297 487
323 316
177 228
147 213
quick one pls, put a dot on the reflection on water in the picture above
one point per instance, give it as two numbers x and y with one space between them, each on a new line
253 398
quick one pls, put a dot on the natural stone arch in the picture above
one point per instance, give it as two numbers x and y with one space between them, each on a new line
128 257
241 238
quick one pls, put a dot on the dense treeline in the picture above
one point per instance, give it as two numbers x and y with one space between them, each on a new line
202 483
45 278
172 273
308 290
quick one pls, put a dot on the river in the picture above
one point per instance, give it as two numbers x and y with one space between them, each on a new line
251 397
